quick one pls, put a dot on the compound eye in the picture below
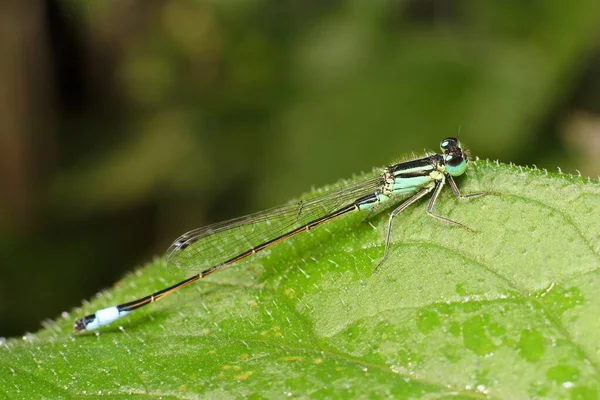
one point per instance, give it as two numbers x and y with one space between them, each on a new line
454 160
449 143
456 164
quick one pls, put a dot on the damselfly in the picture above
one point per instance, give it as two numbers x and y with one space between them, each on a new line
221 245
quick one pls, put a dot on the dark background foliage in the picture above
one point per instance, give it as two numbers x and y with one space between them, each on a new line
125 123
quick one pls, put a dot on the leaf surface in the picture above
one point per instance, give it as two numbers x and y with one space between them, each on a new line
511 310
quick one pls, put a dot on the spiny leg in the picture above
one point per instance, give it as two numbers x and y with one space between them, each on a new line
393 214
464 196
438 189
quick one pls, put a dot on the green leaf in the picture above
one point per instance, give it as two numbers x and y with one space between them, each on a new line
511 310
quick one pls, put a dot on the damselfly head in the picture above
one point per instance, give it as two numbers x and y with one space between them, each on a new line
455 158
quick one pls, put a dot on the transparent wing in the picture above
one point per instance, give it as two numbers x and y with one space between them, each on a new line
214 244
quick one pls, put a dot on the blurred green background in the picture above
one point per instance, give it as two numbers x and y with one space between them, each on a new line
126 123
